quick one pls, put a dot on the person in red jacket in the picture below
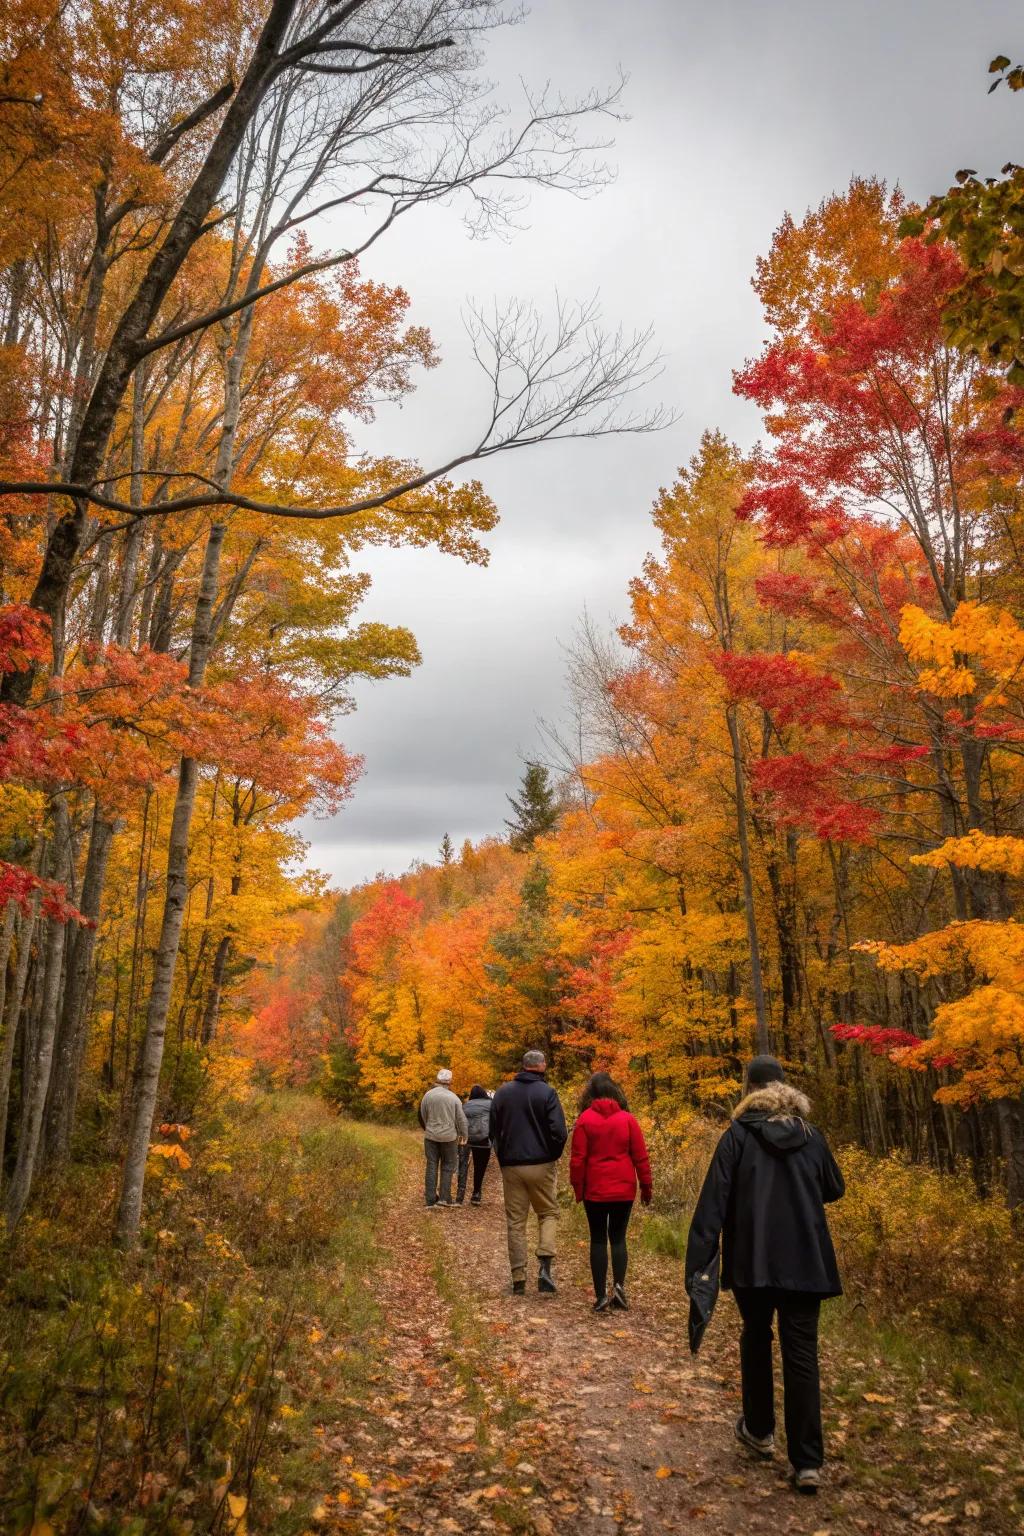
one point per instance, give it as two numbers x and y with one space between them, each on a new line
609 1159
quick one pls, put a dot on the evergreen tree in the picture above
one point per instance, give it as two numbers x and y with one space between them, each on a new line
536 808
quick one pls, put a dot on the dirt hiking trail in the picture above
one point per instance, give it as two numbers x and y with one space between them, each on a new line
492 1412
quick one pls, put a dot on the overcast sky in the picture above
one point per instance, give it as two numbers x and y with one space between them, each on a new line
739 110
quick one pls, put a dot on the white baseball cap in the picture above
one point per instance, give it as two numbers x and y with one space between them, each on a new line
444 1076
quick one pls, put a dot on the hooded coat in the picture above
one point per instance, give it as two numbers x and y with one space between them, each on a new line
764 1196
609 1155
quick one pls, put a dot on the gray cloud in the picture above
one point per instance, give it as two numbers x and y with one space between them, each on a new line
738 111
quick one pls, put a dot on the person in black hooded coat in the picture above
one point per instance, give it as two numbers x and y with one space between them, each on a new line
764 1199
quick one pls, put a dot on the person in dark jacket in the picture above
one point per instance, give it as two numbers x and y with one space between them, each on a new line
764 1196
477 1109
609 1158
528 1135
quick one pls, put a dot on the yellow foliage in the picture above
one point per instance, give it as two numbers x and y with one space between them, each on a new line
977 850
990 636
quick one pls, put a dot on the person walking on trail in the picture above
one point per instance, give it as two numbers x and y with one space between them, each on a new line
478 1116
529 1135
444 1127
609 1159
764 1195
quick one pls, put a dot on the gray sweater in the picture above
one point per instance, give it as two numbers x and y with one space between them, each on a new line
442 1116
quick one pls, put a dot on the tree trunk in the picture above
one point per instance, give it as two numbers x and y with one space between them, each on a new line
151 1052
39 1077
70 1042
1010 1114
12 1010
756 977
211 1011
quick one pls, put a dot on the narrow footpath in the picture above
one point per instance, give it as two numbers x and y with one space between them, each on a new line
497 1413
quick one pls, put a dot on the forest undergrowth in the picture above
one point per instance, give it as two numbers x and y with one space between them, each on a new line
201 1382
164 1390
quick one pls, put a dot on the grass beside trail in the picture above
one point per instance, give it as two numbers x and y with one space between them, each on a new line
177 1388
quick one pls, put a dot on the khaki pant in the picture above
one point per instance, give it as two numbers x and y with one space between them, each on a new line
533 1186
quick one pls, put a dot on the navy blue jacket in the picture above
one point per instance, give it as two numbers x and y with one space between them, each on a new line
527 1123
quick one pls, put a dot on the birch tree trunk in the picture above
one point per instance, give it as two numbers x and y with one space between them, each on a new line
151 1052
39 1077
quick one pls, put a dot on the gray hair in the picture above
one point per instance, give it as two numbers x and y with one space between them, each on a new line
534 1061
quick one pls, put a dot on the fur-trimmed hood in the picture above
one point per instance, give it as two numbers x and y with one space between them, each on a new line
779 1101
777 1114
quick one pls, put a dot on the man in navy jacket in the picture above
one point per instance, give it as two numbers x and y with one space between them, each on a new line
764 1196
529 1135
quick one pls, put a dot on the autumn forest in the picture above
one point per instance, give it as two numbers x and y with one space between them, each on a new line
782 811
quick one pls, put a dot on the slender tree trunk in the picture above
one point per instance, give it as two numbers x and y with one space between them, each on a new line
81 946
211 1011
13 1003
127 594
38 1080
1010 1113
151 1053
756 976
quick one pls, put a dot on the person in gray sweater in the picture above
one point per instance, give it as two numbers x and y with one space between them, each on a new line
444 1126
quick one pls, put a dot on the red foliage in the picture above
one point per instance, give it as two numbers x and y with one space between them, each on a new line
877 1040
788 688
24 637
799 791
19 885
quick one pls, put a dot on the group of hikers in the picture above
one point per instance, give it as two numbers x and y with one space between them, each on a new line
759 1227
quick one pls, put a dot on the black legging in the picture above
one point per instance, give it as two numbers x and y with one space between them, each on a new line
608 1220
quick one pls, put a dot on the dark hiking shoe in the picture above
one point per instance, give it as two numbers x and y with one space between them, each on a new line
603 1304
545 1279
807 1480
475 1200
518 1287
761 1446
619 1298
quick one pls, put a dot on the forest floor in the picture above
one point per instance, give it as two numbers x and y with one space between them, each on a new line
491 1412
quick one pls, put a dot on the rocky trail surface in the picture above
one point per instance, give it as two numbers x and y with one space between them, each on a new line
494 1413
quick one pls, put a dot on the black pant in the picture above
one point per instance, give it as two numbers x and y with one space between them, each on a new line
442 1157
481 1157
798 1338
608 1220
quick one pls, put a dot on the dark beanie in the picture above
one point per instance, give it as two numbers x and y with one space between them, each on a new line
764 1069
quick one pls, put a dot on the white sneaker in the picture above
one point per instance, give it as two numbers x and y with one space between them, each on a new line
807 1480
761 1447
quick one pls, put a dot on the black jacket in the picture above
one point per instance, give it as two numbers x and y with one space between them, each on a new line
527 1123
765 1195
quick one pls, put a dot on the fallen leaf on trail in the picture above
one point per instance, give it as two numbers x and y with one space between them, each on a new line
664 1472
877 1397
360 1479
972 1509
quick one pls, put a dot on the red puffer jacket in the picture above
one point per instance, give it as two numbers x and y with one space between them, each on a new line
609 1156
